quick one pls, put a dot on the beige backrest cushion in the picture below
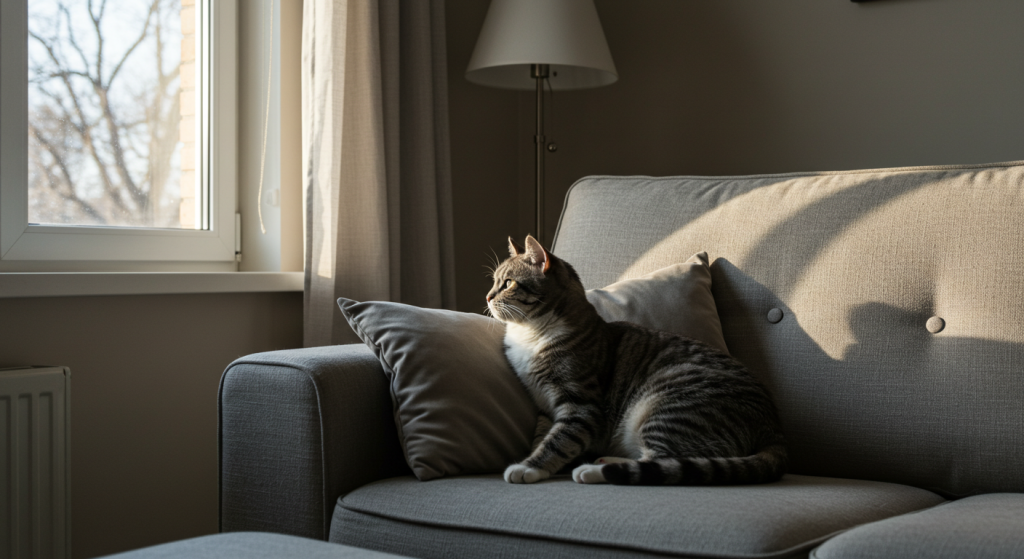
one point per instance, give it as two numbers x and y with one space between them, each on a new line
857 263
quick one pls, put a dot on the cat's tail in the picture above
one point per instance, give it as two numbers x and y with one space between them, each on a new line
766 466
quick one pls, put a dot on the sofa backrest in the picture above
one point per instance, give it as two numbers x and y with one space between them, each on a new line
860 264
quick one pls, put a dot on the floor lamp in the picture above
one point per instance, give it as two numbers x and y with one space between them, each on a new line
525 42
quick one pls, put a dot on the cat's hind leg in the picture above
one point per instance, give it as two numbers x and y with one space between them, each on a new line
592 473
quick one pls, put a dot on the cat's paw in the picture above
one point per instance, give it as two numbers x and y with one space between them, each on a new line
593 473
589 473
521 473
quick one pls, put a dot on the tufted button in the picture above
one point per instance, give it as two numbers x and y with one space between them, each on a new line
775 315
935 324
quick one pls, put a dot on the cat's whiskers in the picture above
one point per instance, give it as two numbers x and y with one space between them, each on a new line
489 313
514 309
492 324
492 268
507 311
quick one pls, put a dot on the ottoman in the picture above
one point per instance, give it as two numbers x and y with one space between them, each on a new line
251 545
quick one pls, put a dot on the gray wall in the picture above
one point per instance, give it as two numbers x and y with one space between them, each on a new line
740 87
484 140
144 376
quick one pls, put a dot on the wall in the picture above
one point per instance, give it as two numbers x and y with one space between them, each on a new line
484 140
144 377
741 87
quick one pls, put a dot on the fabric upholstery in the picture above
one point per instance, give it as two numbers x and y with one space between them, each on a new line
982 527
459 407
675 299
251 545
857 263
464 516
298 428
375 159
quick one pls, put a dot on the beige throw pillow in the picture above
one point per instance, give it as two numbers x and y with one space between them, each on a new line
459 407
674 299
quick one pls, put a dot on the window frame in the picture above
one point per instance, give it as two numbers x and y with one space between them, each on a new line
24 247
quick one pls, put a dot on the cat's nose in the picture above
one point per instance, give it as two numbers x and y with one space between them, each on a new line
489 297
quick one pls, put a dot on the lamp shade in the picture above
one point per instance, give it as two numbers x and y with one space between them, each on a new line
565 34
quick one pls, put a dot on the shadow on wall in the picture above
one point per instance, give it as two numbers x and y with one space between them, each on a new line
900 405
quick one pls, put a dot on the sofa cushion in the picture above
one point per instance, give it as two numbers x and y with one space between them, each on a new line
464 515
825 284
982 527
250 545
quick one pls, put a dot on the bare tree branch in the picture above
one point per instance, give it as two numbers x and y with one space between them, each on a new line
69 191
139 197
99 37
131 49
126 147
84 129
71 38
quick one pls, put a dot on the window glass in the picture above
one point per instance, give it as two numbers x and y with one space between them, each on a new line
113 116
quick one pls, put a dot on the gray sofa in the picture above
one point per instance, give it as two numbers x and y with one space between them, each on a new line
884 309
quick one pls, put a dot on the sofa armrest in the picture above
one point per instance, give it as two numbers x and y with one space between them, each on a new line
298 429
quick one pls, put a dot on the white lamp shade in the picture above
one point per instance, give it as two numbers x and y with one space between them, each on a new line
566 34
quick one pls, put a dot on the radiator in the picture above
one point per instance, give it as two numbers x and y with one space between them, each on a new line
35 511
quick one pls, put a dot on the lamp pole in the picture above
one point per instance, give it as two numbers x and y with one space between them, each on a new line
539 72
557 40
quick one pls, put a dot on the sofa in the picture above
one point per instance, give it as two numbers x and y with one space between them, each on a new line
884 310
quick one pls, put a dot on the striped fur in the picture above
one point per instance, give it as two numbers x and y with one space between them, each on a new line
664 409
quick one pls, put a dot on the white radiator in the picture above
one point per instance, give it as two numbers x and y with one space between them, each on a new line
35 504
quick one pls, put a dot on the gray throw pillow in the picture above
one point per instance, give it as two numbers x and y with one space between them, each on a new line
459 407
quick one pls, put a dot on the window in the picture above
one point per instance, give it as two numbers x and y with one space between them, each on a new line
117 133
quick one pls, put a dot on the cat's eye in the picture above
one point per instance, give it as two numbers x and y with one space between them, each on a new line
509 284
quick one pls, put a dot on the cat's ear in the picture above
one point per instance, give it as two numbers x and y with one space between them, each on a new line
514 249
537 254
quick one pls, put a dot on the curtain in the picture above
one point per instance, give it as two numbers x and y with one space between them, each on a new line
376 164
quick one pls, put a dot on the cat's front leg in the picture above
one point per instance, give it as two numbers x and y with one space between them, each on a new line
543 426
521 473
570 434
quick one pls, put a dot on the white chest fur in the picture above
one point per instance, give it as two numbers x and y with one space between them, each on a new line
523 344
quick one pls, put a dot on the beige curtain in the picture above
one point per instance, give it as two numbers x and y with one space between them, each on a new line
375 159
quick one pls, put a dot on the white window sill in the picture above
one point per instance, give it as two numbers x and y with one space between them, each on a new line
67 284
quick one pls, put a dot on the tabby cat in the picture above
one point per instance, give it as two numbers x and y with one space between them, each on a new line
661 408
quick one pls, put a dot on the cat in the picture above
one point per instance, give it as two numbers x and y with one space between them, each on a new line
662 408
